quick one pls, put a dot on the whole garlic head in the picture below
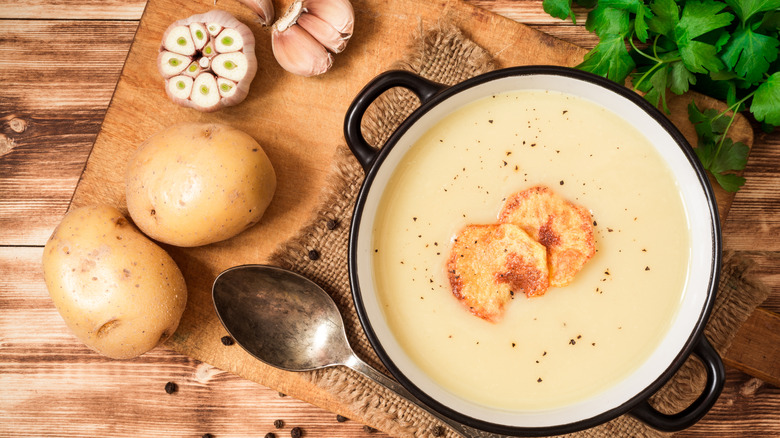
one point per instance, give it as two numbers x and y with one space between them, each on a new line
305 38
208 61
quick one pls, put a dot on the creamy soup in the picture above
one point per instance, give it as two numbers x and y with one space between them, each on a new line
574 341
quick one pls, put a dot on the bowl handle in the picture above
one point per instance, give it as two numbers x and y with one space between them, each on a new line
693 413
423 88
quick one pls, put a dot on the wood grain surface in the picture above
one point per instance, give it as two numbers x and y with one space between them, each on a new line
59 63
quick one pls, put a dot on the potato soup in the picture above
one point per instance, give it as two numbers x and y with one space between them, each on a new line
574 341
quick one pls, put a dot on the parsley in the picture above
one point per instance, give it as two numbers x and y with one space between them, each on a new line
727 49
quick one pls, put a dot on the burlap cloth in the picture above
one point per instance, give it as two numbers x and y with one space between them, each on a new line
446 56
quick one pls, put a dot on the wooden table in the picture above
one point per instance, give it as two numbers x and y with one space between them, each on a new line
59 64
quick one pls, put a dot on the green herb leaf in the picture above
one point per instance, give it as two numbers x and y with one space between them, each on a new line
700 57
700 17
559 8
717 153
665 19
680 77
747 8
609 58
606 21
730 182
655 85
732 156
643 13
749 54
766 101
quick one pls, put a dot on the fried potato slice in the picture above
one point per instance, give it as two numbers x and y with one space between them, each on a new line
489 264
565 229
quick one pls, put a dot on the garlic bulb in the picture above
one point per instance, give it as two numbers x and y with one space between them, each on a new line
208 61
304 38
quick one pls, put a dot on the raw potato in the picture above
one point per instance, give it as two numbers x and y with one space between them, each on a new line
118 291
194 184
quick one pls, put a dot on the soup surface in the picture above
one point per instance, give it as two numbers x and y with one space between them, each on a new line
574 341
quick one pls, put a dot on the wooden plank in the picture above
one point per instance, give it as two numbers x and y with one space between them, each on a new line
754 222
755 350
52 385
746 408
57 80
73 9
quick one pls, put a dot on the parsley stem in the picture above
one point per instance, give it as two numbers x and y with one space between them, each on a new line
631 41
736 105
644 76
725 131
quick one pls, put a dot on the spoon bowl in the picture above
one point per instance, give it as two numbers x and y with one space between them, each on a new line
281 318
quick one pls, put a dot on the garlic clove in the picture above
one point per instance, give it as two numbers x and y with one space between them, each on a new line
171 64
199 35
227 88
193 70
208 49
179 87
205 94
232 65
179 40
229 40
213 28
299 53
337 13
263 8
323 32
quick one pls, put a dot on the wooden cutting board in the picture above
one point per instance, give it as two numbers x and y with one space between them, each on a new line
298 121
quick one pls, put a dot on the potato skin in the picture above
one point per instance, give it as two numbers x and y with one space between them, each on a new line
118 291
194 183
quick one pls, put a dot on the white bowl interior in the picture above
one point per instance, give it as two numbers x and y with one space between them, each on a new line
693 301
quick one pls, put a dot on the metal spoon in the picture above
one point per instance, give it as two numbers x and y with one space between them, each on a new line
289 322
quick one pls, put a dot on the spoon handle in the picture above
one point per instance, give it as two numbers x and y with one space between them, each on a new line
367 370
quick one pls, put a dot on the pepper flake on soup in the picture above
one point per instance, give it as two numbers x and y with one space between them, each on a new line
541 240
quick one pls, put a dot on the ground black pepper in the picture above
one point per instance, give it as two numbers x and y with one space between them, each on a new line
314 254
341 418
278 424
171 387
227 340
296 432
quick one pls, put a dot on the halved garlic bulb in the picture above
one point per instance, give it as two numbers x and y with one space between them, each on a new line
302 38
200 54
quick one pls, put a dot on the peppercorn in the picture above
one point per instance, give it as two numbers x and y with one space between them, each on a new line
278 424
438 431
171 387
341 419
207 435
368 429
296 432
314 254
270 435
227 340
331 224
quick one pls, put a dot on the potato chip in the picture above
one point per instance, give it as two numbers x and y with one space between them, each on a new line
490 264
565 229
